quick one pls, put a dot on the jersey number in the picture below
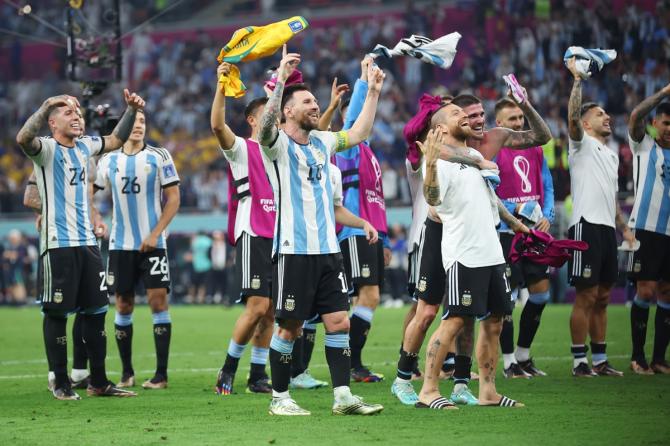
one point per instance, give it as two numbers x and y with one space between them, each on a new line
78 176
343 279
159 266
103 281
315 172
130 185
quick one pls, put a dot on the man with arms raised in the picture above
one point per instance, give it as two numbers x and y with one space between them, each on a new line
309 276
650 265
74 278
471 256
593 182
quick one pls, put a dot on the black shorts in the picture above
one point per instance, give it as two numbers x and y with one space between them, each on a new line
652 260
412 271
599 263
477 292
432 279
304 286
73 279
363 263
126 268
524 272
253 264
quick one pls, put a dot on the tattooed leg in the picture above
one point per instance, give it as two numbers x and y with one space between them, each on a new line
438 347
487 358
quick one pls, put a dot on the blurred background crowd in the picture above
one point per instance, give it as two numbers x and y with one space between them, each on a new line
172 63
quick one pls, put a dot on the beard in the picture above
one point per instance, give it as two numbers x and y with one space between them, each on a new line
461 134
307 124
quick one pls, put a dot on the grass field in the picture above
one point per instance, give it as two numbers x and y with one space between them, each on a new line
560 409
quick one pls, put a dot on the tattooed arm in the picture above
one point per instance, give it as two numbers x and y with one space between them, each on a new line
431 151
31 197
511 221
620 222
575 130
538 134
125 125
27 136
636 124
462 155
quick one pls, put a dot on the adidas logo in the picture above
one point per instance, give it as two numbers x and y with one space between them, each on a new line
286 243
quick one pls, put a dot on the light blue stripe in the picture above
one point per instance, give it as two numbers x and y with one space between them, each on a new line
81 198
598 357
647 190
539 298
308 326
151 197
337 340
119 228
281 345
640 303
259 355
235 350
162 317
83 148
95 310
321 207
299 228
664 211
131 199
364 313
123 320
60 217
664 305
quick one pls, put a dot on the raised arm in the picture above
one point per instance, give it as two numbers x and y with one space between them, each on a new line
575 130
125 125
336 93
362 128
223 133
636 124
268 129
27 136
358 95
538 134
431 151
172 201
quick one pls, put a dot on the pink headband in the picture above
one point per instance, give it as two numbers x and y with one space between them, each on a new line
427 106
294 78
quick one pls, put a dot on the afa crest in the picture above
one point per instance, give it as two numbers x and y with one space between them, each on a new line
466 299
289 305
422 285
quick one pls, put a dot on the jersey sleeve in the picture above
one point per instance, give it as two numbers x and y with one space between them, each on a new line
46 152
94 144
101 178
235 153
336 179
576 146
644 145
333 141
168 172
280 145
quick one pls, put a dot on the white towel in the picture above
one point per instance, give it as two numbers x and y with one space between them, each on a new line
589 61
440 52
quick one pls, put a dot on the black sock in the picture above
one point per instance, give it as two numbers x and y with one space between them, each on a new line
297 362
280 363
662 335
95 338
507 336
358 334
79 357
639 317
462 365
124 340
406 364
230 364
256 372
46 344
162 335
55 339
448 364
308 341
529 323
338 355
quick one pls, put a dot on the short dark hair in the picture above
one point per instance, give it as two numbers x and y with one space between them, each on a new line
504 103
290 91
663 109
586 107
252 106
465 100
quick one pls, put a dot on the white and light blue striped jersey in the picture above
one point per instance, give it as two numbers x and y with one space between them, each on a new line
304 193
62 174
136 182
651 172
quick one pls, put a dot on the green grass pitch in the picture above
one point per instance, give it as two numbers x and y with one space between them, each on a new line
560 409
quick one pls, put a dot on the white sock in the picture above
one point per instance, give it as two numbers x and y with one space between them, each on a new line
51 376
280 395
342 393
522 354
460 387
508 359
401 381
577 361
79 374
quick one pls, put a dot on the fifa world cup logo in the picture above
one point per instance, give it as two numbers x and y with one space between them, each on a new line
378 174
522 167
